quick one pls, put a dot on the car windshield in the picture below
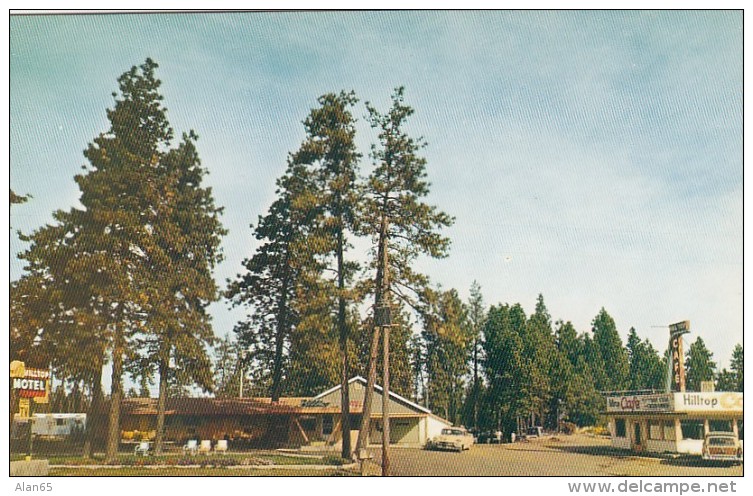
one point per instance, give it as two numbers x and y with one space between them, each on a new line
453 432
722 441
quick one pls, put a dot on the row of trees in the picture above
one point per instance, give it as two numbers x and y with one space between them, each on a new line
126 279
310 320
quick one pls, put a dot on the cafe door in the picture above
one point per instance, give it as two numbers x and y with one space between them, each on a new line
637 444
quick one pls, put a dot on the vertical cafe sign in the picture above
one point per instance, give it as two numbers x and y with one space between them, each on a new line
675 345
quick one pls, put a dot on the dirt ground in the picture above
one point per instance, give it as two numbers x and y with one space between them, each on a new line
576 455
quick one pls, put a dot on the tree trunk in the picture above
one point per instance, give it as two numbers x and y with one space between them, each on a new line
475 383
386 404
164 371
344 390
13 401
116 394
282 323
95 411
363 433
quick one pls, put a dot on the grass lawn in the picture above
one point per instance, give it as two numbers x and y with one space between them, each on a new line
194 472
172 459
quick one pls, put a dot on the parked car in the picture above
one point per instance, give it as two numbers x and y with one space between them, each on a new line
489 437
535 431
722 446
453 438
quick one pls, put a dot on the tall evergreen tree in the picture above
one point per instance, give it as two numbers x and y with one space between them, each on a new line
178 250
736 366
540 352
504 366
646 368
448 339
274 276
93 255
330 152
613 354
725 381
401 223
476 316
699 365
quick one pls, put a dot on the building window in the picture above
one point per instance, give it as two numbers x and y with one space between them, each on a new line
692 429
308 423
655 430
669 431
60 422
619 428
720 425
327 425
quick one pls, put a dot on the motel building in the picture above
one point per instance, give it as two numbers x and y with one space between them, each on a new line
304 423
674 422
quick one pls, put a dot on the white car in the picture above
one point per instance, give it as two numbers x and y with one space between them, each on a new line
453 438
722 446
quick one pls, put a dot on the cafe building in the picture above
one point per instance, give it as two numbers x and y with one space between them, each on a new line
674 422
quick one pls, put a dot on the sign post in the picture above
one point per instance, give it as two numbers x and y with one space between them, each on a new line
31 386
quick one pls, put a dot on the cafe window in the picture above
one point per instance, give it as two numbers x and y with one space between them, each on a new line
669 430
692 429
720 425
327 425
308 423
619 427
655 429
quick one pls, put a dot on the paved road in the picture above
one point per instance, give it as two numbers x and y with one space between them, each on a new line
577 455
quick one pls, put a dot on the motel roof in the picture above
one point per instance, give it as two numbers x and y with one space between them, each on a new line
327 402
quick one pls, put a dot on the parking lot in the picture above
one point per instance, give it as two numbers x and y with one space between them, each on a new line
576 455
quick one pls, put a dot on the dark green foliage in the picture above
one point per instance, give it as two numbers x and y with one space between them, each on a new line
647 372
129 274
613 356
504 366
476 318
699 365
448 340
276 277
736 367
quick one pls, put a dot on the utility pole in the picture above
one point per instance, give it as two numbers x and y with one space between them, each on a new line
385 320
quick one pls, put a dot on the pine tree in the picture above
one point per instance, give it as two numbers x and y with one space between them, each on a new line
504 366
613 354
330 153
699 365
448 339
402 225
725 381
476 316
736 366
540 351
99 260
646 369
274 276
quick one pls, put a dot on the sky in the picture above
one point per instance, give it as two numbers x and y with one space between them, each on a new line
594 157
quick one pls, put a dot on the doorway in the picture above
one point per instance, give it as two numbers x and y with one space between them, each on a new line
637 437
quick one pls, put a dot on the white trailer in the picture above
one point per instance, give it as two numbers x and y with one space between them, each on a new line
58 424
